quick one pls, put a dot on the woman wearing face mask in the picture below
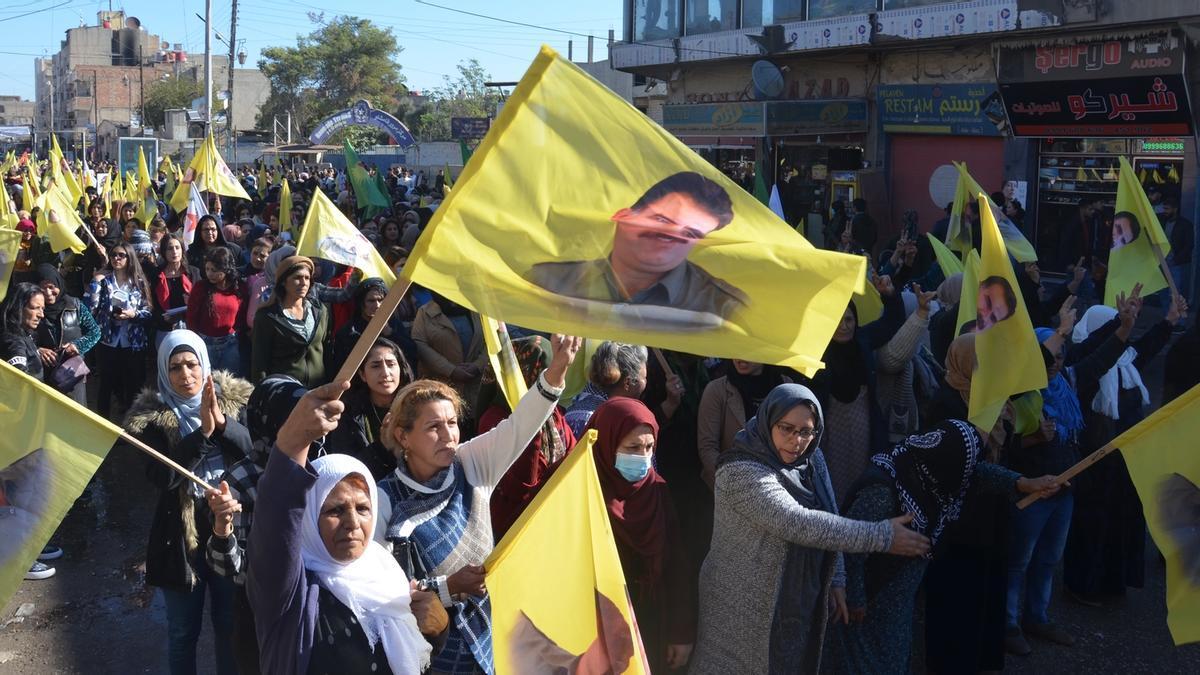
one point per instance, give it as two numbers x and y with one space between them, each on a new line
654 558
172 285
726 403
217 310
327 597
383 372
119 300
774 576
434 509
194 415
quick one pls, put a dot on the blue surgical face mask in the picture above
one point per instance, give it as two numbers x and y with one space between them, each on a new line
633 467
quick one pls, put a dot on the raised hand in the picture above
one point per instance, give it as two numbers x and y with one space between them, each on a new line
923 300
315 415
1177 310
564 348
883 284
1067 316
223 506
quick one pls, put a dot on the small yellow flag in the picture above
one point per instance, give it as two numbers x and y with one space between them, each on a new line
946 259
148 204
1135 232
503 360
868 304
285 206
10 246
1164 467
210 173
545 617
578 214
50 448
966 307
58 221
328 234
1010 358
958 236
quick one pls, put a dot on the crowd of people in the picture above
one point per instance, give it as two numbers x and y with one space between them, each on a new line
765 521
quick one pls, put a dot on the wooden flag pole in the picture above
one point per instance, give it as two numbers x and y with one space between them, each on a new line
1073 471
1162 263
128 438
373 330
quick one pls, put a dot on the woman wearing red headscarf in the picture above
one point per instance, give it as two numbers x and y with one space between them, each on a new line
653 557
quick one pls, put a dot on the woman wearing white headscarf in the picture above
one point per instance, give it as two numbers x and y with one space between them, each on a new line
326 596
193 415
1106 546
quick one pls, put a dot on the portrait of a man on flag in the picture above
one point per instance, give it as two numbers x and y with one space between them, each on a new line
648 262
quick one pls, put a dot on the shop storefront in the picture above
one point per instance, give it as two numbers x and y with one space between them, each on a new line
810 143
1088 104
931 126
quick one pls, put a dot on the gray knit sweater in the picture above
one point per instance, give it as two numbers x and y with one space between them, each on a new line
755 520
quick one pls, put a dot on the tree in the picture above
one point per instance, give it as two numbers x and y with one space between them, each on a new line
340 62
464 96
164 95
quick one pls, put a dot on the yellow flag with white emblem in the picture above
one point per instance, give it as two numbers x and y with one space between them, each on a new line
328 234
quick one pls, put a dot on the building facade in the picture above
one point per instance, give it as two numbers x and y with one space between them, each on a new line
103 73
877 98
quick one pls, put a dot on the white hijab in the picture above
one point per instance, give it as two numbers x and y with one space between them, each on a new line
1124 373
374 586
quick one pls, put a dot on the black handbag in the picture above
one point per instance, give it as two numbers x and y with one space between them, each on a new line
68 374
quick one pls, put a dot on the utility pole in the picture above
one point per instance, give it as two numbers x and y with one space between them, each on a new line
229 94
208 63
141 88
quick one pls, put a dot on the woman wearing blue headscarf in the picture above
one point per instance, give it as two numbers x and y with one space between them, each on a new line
194 415
765 587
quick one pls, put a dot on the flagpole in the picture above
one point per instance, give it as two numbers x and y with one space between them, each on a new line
1162 263
1072 472
128 438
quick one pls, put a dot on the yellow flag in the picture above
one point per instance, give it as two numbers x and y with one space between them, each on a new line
264 180
328 234
61 174
148 204
58 221
966 308
49 451
1010 358
30 192
8 215
868 304
503 360
1135 232
668 252
10 246
544 617
1160 455
285 206
958 236
211 174
946 259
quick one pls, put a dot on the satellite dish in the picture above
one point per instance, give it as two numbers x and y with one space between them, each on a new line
767 80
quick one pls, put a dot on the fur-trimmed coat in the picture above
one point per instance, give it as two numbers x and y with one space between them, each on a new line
179 528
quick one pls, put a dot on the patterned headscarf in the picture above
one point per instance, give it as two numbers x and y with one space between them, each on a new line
932 472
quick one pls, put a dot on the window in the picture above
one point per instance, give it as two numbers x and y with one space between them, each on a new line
824 9
83 88
905 4
710 16
769 12
657 19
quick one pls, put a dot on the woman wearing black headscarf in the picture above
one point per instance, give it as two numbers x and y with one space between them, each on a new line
67 330
929 475
368 297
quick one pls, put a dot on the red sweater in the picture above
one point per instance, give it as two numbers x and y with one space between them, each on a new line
225 315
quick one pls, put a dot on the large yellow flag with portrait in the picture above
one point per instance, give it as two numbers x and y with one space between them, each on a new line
580 215
1160 454
572 615
49 450
1009 356
1136 231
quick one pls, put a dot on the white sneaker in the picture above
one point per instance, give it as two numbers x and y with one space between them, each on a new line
50 553
39 570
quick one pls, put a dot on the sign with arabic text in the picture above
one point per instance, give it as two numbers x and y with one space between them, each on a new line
799 118
714 119
1126 106
958 109
1102 59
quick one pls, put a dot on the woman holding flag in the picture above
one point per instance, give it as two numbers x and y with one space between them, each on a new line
434 510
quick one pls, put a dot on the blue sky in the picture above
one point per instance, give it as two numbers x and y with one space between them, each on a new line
434 40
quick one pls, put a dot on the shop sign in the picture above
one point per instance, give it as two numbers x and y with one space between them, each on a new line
718 119
790 118
1159 146
469 127
958 109
1109 88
